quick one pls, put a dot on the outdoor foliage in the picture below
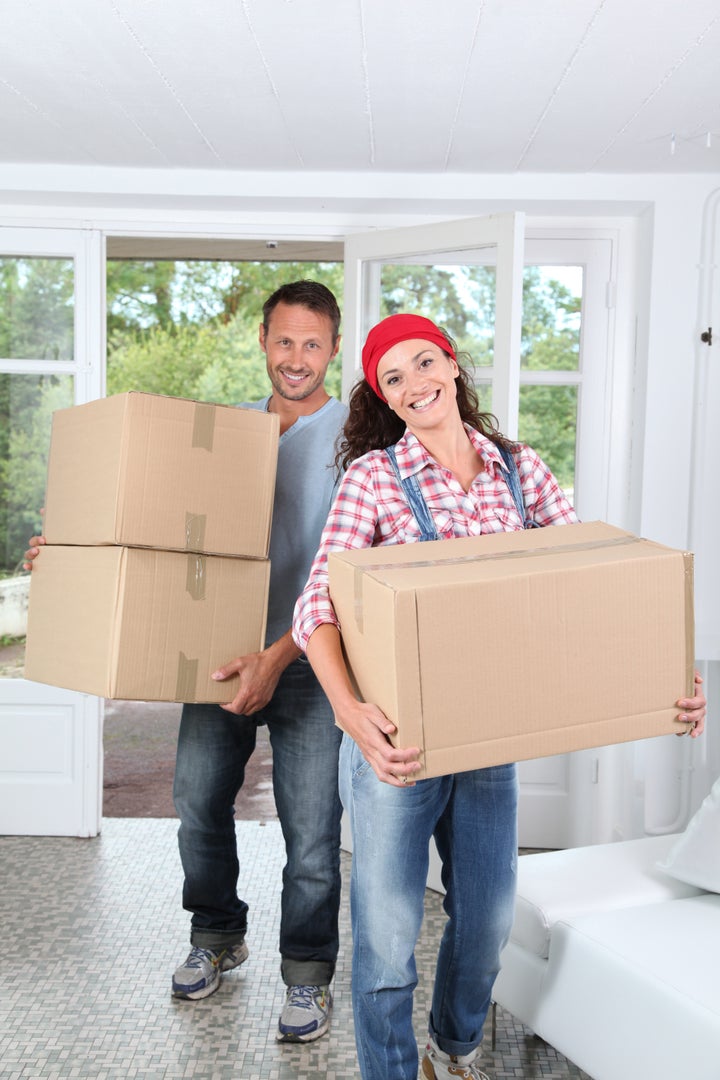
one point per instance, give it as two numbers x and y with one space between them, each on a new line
36 309
36 322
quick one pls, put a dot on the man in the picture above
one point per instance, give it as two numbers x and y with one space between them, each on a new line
299 335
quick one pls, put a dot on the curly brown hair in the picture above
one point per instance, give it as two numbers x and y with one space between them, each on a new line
372 425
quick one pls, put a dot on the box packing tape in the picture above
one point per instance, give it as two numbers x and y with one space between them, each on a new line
195 531
203 426
187 669
195 576
203 436
187 672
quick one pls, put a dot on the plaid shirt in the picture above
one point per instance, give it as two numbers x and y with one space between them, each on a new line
370 509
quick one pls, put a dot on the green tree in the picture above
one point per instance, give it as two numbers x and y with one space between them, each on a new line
23 463
431 291
36 322
550 342
139 295
36 308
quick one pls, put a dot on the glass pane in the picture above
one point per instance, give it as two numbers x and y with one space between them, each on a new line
460 299
484 393
26 406
548 423
36 309
552 308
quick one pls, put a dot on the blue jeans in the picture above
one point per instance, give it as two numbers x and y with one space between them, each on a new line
214 747
473 818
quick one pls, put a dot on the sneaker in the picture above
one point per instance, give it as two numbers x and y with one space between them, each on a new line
306 1014
436 1065
200 974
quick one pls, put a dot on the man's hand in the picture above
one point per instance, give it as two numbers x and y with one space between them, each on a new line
258 675
33 551
258 678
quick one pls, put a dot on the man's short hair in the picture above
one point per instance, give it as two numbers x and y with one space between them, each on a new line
305 293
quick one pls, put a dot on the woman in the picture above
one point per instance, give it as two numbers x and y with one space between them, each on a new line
445 476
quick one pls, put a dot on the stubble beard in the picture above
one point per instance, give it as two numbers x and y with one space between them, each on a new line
300 394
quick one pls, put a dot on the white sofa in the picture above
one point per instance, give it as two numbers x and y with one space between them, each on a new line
614 956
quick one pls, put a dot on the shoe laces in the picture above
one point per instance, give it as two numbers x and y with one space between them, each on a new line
469 1072
200 956
303 997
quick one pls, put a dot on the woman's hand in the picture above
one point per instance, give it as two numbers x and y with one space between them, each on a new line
366 724
694 710
370 728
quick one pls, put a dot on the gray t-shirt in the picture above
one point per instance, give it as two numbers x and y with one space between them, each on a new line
304 491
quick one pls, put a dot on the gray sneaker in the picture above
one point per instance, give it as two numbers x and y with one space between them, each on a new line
305 1015
200 974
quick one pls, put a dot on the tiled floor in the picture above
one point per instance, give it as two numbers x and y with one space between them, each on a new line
92 930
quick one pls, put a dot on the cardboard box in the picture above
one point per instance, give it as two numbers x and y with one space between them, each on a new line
151 471
518 645
140 624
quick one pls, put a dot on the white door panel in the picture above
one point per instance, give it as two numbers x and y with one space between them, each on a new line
50 739
50 777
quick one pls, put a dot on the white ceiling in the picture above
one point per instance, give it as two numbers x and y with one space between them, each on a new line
369 86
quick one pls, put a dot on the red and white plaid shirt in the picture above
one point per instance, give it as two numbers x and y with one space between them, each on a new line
371 509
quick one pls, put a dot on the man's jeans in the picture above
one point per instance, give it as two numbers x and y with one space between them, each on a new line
472 816
213 749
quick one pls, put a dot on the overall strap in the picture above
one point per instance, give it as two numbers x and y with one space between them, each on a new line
415 499
513 482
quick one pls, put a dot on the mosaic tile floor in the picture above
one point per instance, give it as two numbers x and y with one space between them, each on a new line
92 930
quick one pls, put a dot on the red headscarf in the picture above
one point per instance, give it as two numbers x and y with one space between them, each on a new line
392 330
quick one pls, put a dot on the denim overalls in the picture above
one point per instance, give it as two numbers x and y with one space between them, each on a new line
422 515
472 817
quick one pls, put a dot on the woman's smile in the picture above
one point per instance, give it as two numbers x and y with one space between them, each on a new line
427 400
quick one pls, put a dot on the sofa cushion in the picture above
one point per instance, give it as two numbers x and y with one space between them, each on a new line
554 885
633 994
695 855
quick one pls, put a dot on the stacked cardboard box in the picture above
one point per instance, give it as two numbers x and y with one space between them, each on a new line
510 646
156 572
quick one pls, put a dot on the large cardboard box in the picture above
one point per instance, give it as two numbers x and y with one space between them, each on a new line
140 624
518 645
162 472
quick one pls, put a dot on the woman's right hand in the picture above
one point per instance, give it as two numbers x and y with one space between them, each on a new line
369 727
33 551
366 724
